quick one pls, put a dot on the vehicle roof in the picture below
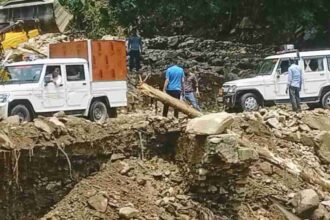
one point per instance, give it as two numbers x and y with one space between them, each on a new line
302 54
49 61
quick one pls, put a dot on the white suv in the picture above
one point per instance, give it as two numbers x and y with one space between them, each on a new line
269 86
28 91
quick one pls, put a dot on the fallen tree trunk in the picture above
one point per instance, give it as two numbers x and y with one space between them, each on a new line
169 100
307 174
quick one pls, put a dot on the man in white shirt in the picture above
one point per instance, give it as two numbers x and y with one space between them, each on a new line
56 77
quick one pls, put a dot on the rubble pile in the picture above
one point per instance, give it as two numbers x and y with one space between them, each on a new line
34 48
254 165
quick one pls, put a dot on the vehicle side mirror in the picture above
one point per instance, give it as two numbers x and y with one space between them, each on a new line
47 80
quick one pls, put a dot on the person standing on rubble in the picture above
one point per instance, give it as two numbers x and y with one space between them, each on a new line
294 84
191 87
134 51
173 86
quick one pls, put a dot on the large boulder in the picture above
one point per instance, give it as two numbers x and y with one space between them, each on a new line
305 202
323 146
210 124
317 122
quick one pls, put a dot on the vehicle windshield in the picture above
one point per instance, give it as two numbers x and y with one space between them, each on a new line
267 67
20 74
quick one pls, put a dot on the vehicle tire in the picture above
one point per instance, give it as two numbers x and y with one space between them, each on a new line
98 112
249 102
326 100
22 111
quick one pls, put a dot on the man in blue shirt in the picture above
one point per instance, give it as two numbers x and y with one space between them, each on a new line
134 51
294 85
174 84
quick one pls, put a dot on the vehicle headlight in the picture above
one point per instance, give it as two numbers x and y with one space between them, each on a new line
4 98
232 89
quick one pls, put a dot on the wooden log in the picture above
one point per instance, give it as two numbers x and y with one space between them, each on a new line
169 100
305 173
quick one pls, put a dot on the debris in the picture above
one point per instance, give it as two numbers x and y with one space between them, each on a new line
128 212
98 202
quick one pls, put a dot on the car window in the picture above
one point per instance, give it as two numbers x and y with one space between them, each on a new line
284 65
75 73
328 61
313 64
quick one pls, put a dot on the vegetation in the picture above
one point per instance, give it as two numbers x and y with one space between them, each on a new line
302 20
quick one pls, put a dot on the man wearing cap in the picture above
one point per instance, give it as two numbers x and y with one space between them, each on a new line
294 84
191 87
173 86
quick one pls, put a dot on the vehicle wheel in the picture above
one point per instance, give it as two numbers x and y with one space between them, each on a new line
249 102
98 112
326 100
22 111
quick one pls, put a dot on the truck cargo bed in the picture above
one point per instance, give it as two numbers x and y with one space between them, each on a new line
106 58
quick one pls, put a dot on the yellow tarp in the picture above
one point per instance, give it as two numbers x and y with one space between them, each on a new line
13 39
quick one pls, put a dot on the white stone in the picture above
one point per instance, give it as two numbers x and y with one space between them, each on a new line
210 124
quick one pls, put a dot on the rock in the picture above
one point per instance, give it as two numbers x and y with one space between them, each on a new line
128 213
5 142
245 154
304 127
42 125
59 114
305 202
318 122
141 181
323 146
126 168
210 124
173 41
273 122
12 120
266 168
157 174
228 149
56 122
98 202
321 213
183 217
246 23
115 157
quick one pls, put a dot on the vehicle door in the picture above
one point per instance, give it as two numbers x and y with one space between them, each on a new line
314 75
53 98
78 86
281 79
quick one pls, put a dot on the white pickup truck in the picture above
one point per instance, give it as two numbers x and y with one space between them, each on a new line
28 90
269 86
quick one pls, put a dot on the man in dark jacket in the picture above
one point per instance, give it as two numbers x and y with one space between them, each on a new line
134 51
